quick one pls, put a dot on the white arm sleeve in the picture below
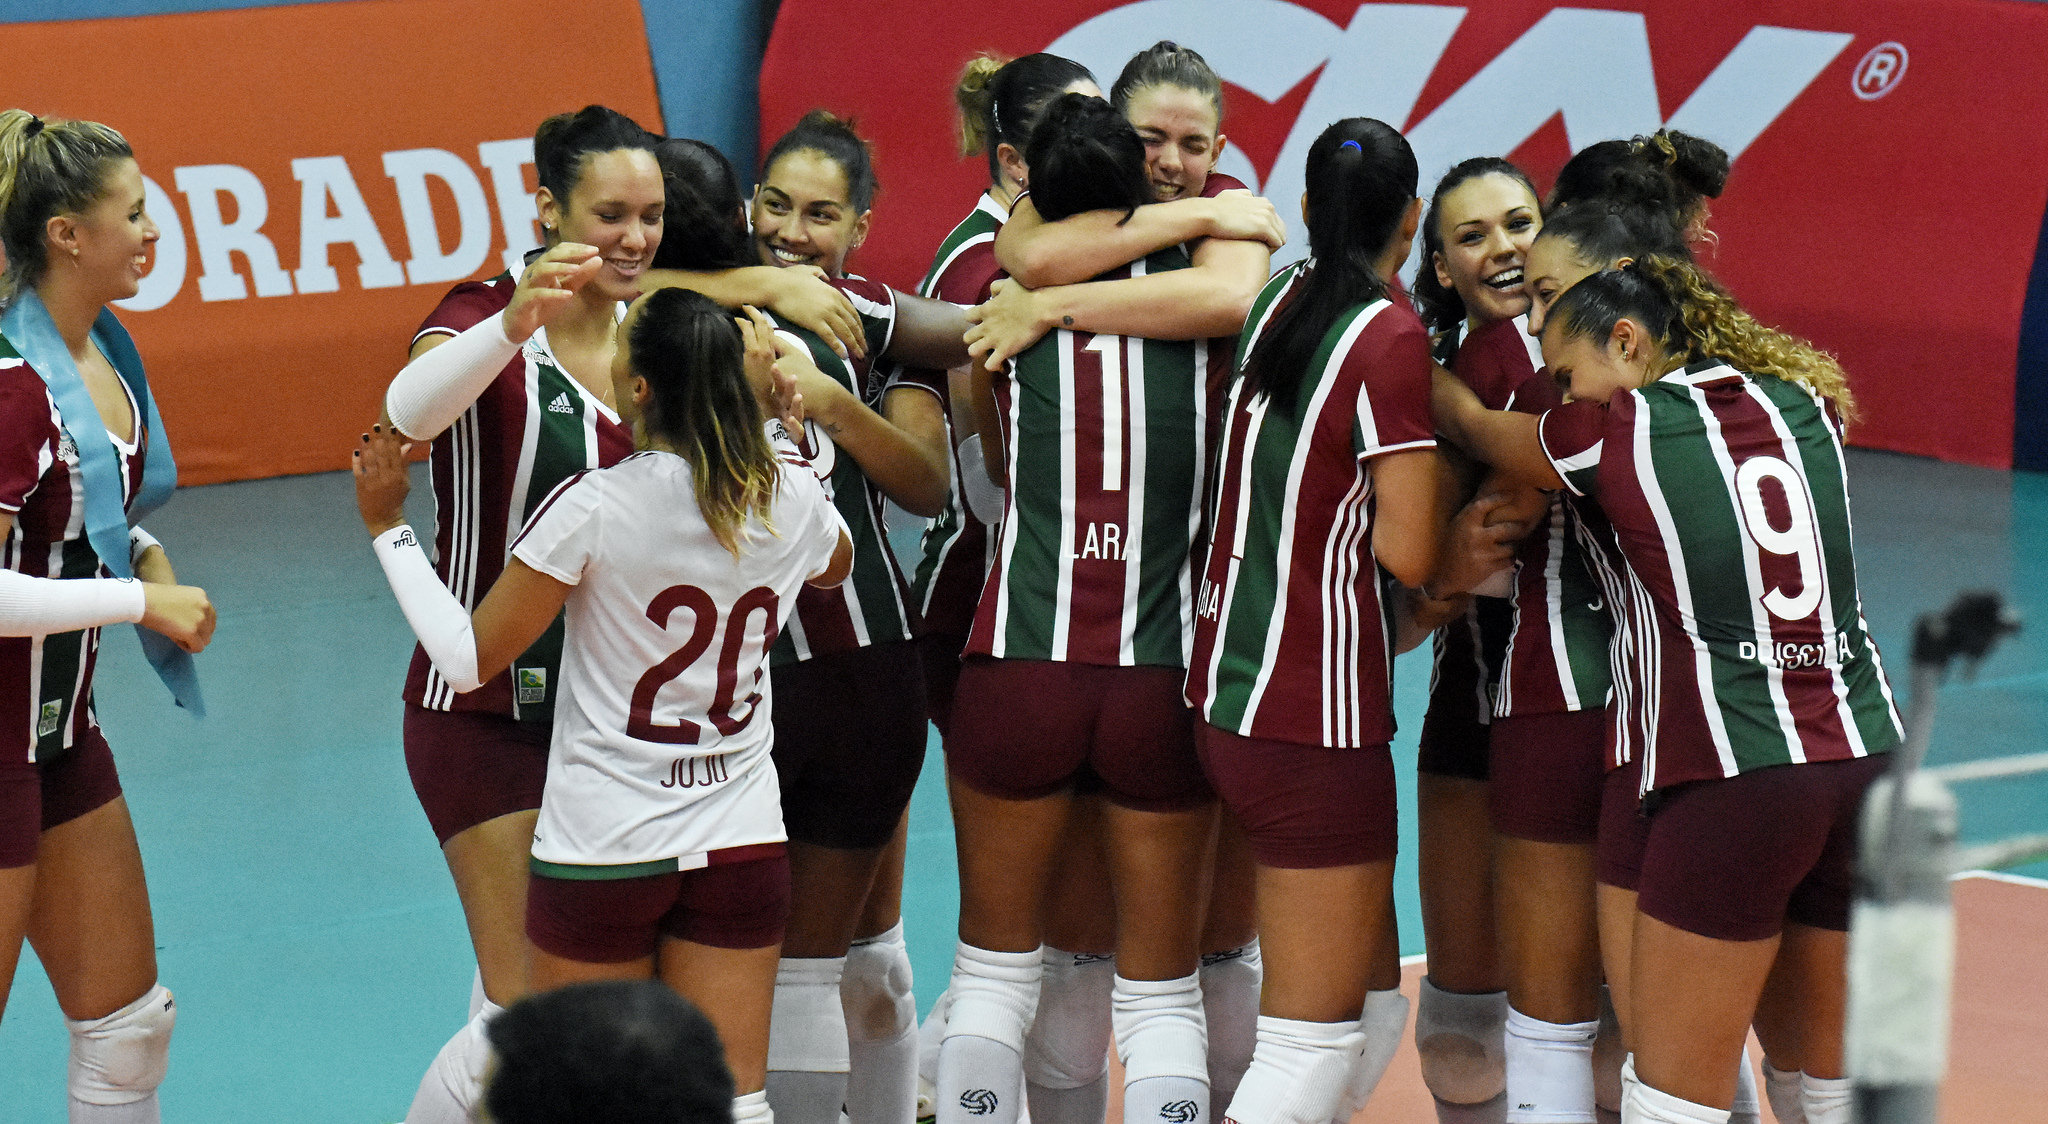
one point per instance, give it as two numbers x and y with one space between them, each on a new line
984 496
32 606
432 391
436 617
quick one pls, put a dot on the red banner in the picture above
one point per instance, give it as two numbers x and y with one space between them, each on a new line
322 173
1891 168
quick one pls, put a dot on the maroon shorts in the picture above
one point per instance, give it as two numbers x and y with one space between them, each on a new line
1735 859
940 655
849 743
1547 772
1025 729
37 796
740 899
1624 830
469 766
1453 745
1305 806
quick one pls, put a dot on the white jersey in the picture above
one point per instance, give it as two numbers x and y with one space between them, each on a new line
662 735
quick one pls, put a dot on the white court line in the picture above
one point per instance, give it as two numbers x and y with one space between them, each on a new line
2001 876
1989 768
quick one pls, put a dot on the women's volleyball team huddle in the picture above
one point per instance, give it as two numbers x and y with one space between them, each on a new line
1182 517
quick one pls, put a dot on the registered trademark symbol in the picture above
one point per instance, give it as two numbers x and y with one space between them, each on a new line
1880 71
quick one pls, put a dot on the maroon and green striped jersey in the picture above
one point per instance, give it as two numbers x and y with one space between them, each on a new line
1740 636
46 681
870 606
1106 446
956 549
1291 640
533 427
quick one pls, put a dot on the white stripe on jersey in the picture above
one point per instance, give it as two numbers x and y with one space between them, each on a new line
463 531
1007 530
1255 420
1343 634
1884 684
1205 465
1674 552
1553 611
995 210
1134 458
1585 459
1063 616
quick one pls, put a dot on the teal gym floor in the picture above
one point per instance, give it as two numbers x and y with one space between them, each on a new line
309 928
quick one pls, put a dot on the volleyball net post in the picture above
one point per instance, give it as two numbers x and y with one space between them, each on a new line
1902 926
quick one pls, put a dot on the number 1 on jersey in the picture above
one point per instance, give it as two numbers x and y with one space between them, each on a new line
1111 348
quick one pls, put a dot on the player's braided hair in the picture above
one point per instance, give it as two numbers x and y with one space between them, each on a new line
47 166
1691 315
690 352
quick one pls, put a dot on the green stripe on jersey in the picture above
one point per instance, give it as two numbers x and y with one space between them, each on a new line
1165 503
978 224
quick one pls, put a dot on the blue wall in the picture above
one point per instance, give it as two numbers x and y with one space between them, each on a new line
707 57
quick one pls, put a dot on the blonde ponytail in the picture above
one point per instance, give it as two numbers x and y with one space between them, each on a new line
47 166
976 101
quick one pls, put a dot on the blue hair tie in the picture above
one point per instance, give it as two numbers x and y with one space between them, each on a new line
1353 146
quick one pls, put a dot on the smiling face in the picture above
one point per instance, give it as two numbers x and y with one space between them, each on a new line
1178 126
803 213
615 206
112 237
1487 224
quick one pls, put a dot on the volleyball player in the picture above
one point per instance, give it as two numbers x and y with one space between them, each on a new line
1747 686
1175 101
658 850
82 452
1087 604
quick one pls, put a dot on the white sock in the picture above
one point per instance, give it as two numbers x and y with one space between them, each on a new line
454 1081
929 1034
476 993
1066 1052
1549 1071
1162 1039
1298 1072
1825 1100
144 1111
1230 1003
1782 1087
1608 1053
881 1030
807 1047
1746 1109
1383 1021
981 1060
1459 1038
1644 1105
752 1108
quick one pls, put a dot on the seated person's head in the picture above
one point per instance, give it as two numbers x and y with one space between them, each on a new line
618 1051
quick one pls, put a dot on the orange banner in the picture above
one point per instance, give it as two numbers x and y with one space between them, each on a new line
322 174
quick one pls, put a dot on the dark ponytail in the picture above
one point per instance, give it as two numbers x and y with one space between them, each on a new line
703 225
1085 156
1665 171
1361 180
1602 232
690 352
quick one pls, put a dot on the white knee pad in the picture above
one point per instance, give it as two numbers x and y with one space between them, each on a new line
1550 1071
1298 1073
121 1059
807 1022
1459 1041
1645 1105
1068 1044
1161 1030
876 988
994 994
1382 1021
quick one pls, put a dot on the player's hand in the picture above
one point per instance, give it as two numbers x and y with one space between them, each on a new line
805 298
1241 215
181 612
1009 321
548 285
1481 543
381 480
768 372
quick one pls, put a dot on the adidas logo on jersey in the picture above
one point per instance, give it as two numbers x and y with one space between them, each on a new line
561 404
